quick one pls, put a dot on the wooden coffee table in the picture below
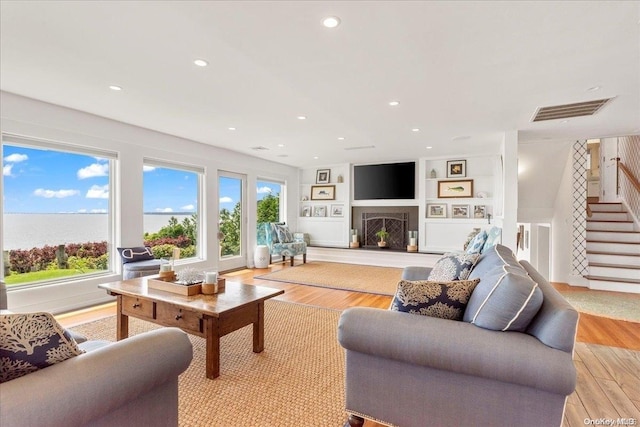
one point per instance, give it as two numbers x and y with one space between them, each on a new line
207 316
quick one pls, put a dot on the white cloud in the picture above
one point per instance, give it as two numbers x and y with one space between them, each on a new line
98 211
93 170
146 168
98 192
6 170
82 210
226 200
264 190
58 194
16 158
187 208
166 210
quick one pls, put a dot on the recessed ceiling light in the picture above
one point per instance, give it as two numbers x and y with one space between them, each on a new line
280 145
341 138
331 21
593 89
302 117
200 62
315 157
565 121
114 87
231 128
429 147
394 103
415 130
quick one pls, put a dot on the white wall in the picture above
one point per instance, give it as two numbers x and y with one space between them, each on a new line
35 119
562 229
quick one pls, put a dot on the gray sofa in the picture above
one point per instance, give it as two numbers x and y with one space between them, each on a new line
410 370
133 382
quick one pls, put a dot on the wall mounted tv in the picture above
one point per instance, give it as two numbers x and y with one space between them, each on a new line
384 181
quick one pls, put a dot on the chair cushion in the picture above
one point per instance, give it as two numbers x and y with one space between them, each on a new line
477 244
135 254
446 300
453 266
32 341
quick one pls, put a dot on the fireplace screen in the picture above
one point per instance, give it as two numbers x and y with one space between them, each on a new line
395 223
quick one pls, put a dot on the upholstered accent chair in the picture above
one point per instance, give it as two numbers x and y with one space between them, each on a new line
281 242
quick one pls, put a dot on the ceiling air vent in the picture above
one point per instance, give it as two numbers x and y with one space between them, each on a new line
361 147
566 111
259 148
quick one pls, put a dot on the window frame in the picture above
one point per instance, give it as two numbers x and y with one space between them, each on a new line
199 212
64 147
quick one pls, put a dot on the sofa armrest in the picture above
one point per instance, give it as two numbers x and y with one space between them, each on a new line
459 347
90 385
416 273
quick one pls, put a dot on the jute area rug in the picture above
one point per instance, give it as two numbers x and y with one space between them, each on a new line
352 277
384 280
298 377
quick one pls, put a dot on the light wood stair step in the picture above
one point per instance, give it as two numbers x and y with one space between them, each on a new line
601 264
612 279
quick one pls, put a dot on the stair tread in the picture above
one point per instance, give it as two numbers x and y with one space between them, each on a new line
612 241
625 221
611 253
600 264
614 231
612 279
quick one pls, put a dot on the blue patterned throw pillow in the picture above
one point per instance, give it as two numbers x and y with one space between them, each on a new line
445 300
453 266
30 342
284 235
477 244
493 238
135 254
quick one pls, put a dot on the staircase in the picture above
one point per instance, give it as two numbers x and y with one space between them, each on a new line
613 249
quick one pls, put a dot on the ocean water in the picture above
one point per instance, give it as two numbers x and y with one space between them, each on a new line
26 231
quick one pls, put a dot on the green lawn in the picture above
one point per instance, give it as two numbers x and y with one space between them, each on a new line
36 276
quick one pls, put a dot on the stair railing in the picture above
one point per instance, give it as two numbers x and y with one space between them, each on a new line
632 179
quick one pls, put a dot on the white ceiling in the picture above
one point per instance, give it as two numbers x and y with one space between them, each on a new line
459 69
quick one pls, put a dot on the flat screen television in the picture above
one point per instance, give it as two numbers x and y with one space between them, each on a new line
385 181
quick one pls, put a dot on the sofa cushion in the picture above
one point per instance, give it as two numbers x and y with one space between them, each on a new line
476 245
32 341
446 300
506 299
453 266
135 254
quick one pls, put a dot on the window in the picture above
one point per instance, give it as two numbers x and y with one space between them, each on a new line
171 203
269 206
57 216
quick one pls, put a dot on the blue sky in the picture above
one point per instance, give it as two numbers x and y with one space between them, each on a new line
44 181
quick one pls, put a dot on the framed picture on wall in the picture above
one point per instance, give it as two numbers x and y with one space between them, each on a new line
459 188
319 211
436 210
322 176
323 192
479 211
337 210
456 168
306 211
459 211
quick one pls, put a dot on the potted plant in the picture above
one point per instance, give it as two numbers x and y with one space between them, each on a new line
382 235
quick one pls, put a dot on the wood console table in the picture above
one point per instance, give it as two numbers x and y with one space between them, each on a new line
207 316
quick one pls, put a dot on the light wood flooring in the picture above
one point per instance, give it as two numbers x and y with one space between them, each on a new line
606 356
